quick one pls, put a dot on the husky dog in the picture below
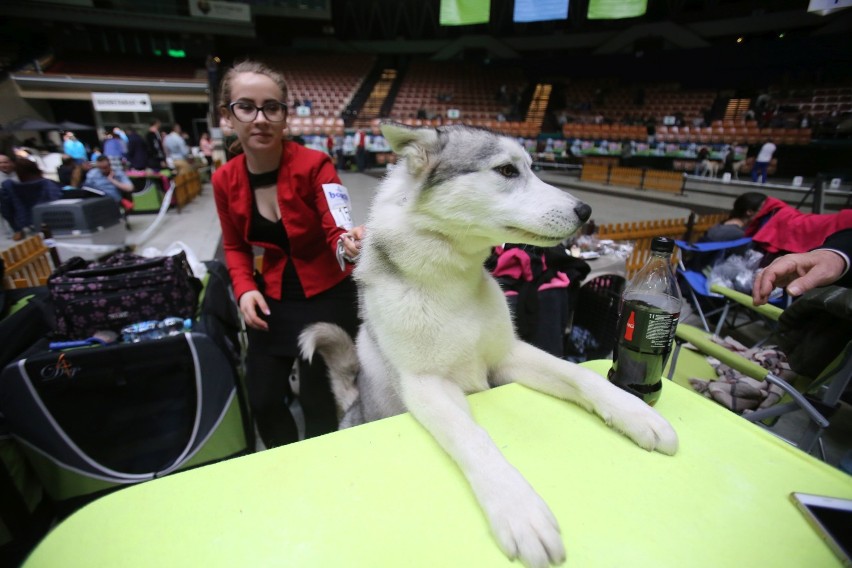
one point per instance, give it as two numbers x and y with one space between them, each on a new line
436 325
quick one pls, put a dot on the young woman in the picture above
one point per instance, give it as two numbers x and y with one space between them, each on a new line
286 200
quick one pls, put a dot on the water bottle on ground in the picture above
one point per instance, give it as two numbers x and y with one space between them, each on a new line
155 329
650 308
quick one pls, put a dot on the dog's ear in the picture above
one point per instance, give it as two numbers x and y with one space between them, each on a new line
413 144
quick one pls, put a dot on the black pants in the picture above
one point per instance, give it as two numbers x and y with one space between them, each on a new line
269 395
361 158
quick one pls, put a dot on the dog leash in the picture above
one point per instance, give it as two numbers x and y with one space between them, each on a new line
342 257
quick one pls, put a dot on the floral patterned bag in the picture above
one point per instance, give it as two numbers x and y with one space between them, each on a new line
122 290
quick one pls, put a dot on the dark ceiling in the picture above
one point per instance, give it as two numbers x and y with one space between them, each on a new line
33 30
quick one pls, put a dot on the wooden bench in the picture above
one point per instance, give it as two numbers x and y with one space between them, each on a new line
28 263
626 177
187 188
660 180
639 178
595 173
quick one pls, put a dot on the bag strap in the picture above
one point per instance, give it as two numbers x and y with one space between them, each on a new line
73 263
73 456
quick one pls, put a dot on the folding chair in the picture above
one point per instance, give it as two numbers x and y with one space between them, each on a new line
767 312
696 281
816 392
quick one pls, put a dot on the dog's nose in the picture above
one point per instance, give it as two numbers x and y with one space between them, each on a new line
582 211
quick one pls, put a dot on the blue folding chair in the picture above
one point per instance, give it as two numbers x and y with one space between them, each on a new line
696 281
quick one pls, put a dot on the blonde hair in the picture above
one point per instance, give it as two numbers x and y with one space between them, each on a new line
247 66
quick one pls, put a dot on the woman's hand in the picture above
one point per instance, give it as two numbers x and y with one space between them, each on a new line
252 304
352 241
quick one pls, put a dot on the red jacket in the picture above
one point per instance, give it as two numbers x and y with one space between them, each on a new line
789 230
310 225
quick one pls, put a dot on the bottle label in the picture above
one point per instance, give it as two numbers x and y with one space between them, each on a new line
646 328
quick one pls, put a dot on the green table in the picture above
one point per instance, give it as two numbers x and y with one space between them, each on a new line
384 494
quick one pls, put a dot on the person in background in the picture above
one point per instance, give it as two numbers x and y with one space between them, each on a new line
348 149
779 228
361 149
733 228
18 197
137 151
230 143
120 134
745 208
69 172
96 153
206 146
176 147
285 199
113 183
728 161
761 162
7 168
798 273
329 144
154 146
703 154
73 147
114 149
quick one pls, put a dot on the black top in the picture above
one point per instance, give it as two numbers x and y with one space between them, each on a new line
289 316
274 233
842 241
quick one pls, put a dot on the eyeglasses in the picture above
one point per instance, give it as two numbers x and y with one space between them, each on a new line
247 112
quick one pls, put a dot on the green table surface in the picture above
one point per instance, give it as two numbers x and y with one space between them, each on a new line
384 494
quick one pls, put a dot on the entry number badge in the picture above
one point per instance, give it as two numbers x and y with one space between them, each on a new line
339 204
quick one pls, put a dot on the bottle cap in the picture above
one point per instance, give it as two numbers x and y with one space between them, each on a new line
662 244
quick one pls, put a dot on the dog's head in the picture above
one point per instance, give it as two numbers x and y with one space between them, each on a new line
471 183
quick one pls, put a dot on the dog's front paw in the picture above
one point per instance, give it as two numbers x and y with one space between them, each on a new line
521 521
635 419
630 415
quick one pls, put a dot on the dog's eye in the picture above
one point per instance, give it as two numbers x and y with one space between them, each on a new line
507 170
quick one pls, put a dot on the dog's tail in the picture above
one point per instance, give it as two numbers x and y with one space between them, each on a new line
338 351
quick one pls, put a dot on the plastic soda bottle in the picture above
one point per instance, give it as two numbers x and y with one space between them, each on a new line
650 308
155 329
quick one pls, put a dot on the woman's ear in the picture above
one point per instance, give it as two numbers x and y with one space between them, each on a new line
226 116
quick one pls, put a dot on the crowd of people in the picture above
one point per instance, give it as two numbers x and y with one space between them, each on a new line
130 149
103 168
